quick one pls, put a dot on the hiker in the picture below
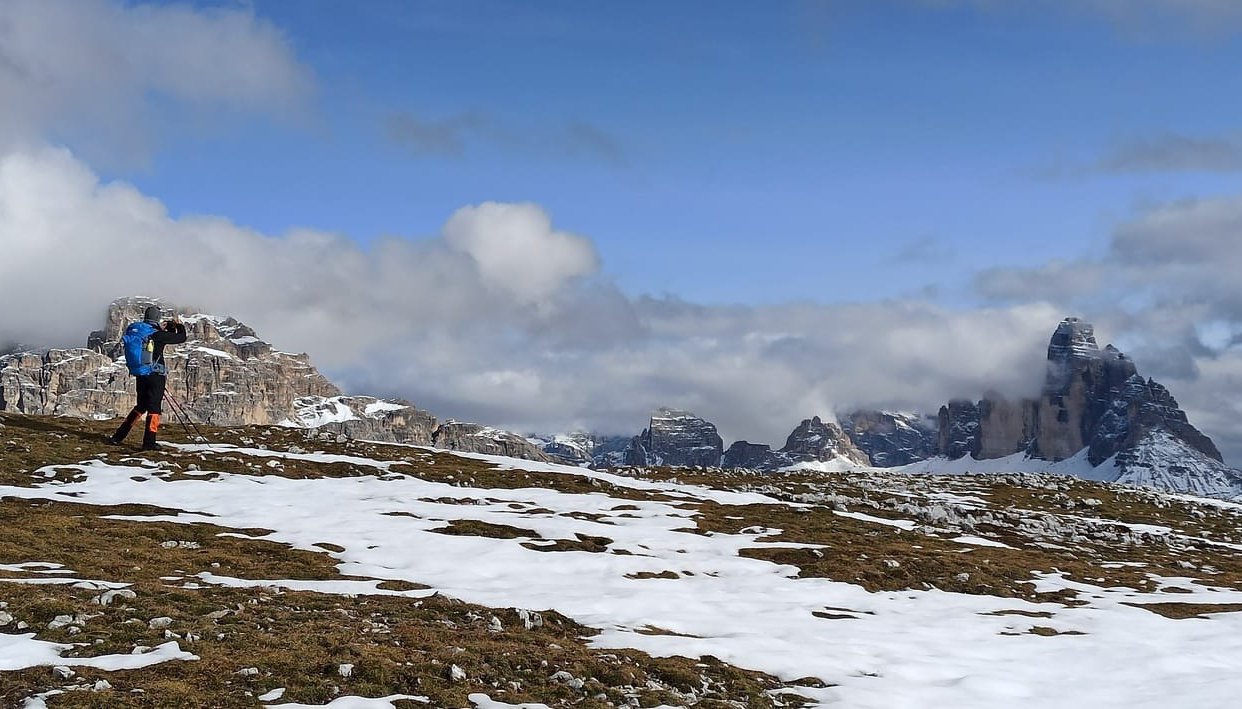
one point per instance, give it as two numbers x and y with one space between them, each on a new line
144 344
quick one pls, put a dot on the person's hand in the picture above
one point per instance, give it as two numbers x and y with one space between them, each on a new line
176 318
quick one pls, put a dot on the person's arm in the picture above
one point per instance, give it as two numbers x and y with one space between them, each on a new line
173 336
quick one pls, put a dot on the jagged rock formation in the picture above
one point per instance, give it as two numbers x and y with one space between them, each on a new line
225 375
473 438
751 456
681 439
890 439
816 441
582 448
676 438
365 418
958 425
1092 400
75 382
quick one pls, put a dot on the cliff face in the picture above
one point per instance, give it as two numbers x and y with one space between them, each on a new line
473 438
816 441
890 439
676 438
681 439
1095 400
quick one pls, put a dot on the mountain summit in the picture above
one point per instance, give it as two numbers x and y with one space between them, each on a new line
1095 407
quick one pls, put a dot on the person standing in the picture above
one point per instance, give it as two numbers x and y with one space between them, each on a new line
144 344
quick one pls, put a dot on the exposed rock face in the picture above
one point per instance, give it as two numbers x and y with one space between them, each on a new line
680 439
76 382
1095 400
890 439
365 418
676 438
959 429
1005 426
816 441
751 456
582 448
473 438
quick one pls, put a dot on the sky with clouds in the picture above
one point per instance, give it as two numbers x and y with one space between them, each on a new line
559 215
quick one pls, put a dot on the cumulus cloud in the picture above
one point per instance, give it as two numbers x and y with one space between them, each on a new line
92 71
517 250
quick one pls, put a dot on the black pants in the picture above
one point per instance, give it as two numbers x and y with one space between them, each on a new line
150 402
151 393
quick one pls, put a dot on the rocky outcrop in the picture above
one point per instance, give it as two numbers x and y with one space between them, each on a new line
225 375
473 438
1092 400
958 425
676 438
582 448
76 382
816 441
365 418
680 439
751 456
889 438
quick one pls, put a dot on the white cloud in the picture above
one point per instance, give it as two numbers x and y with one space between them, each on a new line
517 250
91 71
497 319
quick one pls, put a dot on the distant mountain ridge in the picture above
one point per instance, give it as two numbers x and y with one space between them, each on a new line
1094 410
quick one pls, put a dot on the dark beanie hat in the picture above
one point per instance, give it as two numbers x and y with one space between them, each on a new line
152 314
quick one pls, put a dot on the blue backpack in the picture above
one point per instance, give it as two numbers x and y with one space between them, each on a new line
139 349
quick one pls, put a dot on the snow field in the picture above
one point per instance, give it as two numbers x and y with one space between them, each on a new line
900 649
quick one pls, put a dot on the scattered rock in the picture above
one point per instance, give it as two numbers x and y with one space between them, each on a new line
107 597
530 619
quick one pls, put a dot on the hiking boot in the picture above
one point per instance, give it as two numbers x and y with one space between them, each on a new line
152 446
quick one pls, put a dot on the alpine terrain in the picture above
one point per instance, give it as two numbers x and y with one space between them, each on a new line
311 548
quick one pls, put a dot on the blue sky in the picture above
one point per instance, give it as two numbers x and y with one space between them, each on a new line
561 215
740 152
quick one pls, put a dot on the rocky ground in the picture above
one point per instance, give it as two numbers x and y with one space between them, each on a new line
651 587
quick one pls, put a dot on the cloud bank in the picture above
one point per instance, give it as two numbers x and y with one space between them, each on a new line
499 317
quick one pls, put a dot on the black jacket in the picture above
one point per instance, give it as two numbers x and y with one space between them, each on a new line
175 335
